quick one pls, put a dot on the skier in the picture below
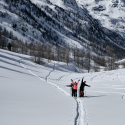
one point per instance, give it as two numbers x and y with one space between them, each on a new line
72 88
82 86
75 87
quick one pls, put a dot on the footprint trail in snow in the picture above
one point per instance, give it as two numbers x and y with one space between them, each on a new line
81 118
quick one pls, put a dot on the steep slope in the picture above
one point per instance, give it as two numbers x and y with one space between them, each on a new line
57 22
111 13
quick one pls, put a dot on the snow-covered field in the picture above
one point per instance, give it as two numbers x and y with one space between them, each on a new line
31 94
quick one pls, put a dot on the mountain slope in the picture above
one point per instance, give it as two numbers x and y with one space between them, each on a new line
58 23
111 14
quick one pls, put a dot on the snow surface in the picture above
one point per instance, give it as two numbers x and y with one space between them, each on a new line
34 94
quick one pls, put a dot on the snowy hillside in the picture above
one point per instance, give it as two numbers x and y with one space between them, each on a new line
35 94
110 13
57 22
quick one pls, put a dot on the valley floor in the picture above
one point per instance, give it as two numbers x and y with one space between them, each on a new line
32 94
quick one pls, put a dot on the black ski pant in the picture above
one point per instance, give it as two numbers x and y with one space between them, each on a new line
72 92
75 93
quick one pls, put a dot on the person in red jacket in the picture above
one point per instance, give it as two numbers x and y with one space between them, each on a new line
75 87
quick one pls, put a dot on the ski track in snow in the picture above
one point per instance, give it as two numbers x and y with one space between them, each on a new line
96 76
113 78
102 76
81 112
119 78
62 77
79 109
50 73
123 94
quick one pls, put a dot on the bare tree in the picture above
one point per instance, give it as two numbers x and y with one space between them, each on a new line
38 52
42 50
2 42
34 52
26 48
111 65
58 52
49 51
52 56
74 52
15 46
103 62
88 61
22 47
67 55
96 68
123 64
78 58
30 48
63 55
82 62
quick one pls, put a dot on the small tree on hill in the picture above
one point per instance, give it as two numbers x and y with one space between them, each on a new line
67 55
88 57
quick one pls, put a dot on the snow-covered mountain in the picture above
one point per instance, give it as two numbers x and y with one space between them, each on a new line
110 13
58 22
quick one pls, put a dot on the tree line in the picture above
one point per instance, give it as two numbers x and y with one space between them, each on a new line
82 58
60 21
